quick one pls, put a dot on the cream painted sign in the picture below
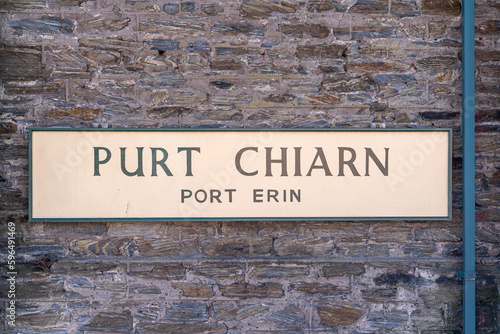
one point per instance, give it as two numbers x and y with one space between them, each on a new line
120 174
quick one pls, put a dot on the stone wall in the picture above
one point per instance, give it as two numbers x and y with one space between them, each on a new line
246 64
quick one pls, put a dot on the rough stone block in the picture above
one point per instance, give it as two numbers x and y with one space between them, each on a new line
279 271
86 114
193 289
218 270
47 25
169 27
237 246
392 320
347 84
244 290
167 247
363 250
301 245
378 66
30 88
157 271
290 316
342 314
319 290
400 278
162 79
258 9
404 8
110 247
29 57
399 234
49 319
343 269
162 328
22 4
224 311
226 64
212 9
187 312
326 5
427 319
298 30
109 322
106 24
114 44
370 7
237 28
437 7
231 100
188 98
379 295
171 8
439 234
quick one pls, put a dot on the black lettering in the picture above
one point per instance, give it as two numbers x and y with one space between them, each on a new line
257 195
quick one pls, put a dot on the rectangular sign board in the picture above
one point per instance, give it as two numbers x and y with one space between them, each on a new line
163 174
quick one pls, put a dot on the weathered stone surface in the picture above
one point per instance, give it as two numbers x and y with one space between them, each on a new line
114 44
43 319
162 79
393 320
6 127
86 114
157 271
163 44
22 4
29 57
441 62
237 246
263 8
31 88
346 84
220 100
107 24
219 115
244 290
171 8
436 7
188 7
238 28
300 245
212 9
47 25
363 250
188 98
276 271
319 289
400 234
326 5
399 278
172 27
298 30
448 234
144 289
404 8
379 295
489 27
371 30
370 7
378 66
226 64
342 269
335 315
187 312
166 247
113 247
219 270
436 115
291 316
224 311
193 289
109 322
162 328
427 319
391 85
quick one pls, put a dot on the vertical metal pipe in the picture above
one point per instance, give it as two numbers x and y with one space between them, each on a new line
468 168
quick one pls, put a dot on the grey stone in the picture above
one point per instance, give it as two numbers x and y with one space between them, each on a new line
171 8
162 328
343 269
187 312
279 271
48 319
291 316
107 24
393 320
109 322
212 9
237 100
237 28
112 247
263 8
162 79
157 271
111 43
299 245
370 7
244 290
326 5
167 247
172 27
47 25
218 270
339 314
193 290
431 319
224 311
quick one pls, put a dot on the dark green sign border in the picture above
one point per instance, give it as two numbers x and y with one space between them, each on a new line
159 219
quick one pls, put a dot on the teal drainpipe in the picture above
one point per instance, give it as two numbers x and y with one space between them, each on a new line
468 168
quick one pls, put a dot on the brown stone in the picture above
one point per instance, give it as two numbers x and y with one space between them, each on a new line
26 88
335 315
257 9
319 289
438 7
343 269
279 271
301 245
378 66
218 270
244 290
8 127
172 27
114 44
400 234
164 328
48 319
157 271
107 24
86 114
193 289
12 57
226 64
370 7
298 30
